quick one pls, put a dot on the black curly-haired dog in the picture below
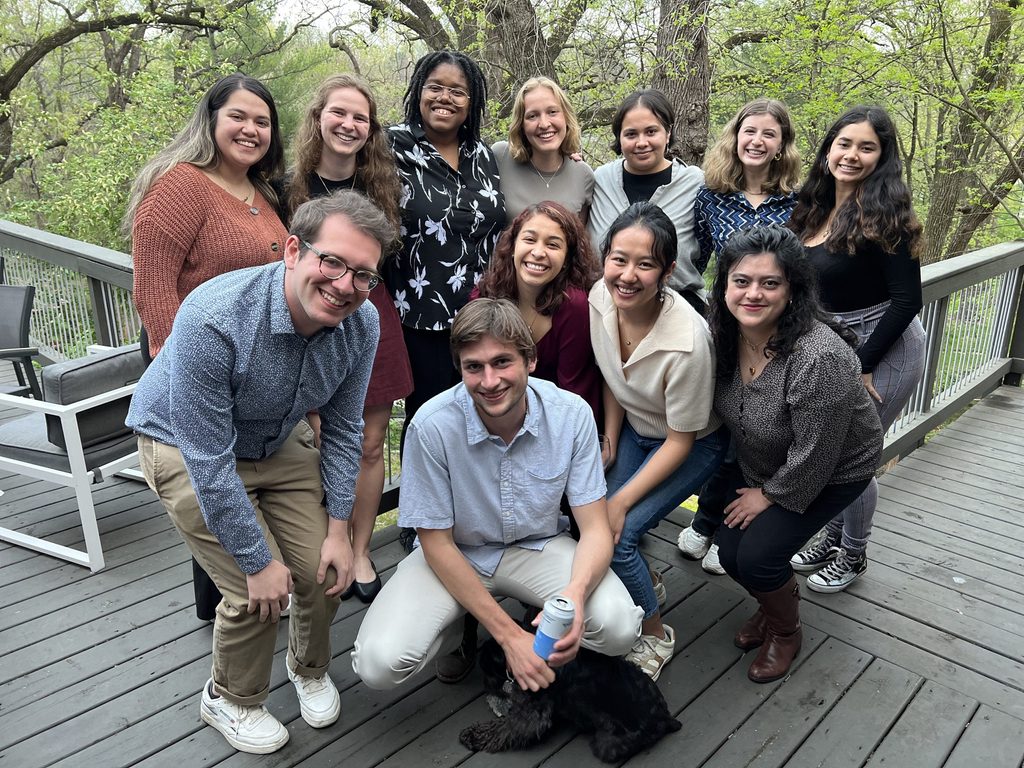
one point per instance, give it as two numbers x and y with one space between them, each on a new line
605 696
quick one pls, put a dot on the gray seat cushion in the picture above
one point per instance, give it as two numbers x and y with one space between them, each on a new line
84 377
25 439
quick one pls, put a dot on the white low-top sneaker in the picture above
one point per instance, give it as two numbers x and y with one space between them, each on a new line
247 728
711 563
692 544
319 700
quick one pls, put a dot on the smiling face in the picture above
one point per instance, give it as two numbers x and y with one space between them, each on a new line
345 122
543 120
540 252
854 153
631 273
442 117
644 140
758 141
242 131
756 294
315 302
495 374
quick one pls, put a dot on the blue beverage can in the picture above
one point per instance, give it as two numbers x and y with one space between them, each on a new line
555 623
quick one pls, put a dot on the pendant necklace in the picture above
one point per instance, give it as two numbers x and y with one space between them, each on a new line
547 179
758 353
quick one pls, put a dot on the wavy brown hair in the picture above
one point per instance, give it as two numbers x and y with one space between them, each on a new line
723 171
879 212
376 175
580 269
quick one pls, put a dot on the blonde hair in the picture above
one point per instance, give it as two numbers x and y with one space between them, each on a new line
518 145
723 171
375 164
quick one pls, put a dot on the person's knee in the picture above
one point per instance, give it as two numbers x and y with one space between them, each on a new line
613 632
379 663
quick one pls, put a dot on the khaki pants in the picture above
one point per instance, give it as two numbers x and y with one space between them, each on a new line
286 492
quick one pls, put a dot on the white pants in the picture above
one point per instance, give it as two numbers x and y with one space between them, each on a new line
413 619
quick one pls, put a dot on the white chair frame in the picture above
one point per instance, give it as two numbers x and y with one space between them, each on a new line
79 478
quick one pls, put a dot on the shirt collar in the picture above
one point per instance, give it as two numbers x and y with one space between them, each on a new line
476 432
280 315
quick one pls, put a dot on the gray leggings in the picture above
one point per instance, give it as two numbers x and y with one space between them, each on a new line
895 377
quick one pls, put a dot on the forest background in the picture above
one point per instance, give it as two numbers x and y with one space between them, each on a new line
89 91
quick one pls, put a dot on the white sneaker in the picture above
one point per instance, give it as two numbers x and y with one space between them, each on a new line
711 563
319 700
692 544
651 653
247 728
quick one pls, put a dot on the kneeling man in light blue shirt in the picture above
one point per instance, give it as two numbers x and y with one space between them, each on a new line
483 473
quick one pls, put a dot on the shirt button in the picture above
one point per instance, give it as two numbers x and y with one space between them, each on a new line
274 247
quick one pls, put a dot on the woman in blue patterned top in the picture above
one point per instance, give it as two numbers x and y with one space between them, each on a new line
452 211
750 179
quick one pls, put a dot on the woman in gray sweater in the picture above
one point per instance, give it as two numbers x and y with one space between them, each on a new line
807 436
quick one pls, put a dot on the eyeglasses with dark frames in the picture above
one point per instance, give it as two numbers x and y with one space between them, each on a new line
332 268
458 96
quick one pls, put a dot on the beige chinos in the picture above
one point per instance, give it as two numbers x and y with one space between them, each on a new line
286 493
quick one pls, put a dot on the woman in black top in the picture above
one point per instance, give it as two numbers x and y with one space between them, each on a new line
855 219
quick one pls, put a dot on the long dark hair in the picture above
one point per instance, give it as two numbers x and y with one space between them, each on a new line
802 311
880 210
477 90
580 270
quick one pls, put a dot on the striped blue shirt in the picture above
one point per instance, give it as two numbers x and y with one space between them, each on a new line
717 215
233 381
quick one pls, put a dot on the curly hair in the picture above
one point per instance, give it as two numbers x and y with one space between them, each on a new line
196 144
580 268
800 314
375 163
723 171
470 129
658 103
879 212
518 144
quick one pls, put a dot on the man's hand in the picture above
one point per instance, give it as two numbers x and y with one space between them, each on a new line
530 671
617 511
568 646
269 591
336 552
744 508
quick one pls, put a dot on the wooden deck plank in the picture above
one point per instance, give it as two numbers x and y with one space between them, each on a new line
849 733
991 738
926 731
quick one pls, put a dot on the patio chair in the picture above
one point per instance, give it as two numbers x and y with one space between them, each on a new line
15 314
75 437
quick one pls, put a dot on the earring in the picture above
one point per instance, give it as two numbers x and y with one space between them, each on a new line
778 156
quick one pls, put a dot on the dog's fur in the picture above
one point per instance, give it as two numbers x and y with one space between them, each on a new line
605 696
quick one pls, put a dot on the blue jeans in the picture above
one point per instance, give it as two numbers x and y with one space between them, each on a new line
633 453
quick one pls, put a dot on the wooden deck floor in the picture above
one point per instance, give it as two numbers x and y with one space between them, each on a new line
920 663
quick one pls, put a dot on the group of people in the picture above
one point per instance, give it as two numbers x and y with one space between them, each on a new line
567 379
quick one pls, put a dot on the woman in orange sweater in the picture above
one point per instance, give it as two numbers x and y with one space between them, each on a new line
204 206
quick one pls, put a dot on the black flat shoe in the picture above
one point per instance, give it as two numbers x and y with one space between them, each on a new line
367 591
348 592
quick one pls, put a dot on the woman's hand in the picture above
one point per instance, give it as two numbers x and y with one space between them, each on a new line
750 503
870 387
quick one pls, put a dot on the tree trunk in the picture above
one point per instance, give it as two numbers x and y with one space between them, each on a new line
682 72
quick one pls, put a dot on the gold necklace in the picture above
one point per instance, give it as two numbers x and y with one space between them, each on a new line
760 359
547 179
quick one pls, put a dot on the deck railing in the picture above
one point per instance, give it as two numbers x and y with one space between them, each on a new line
972 316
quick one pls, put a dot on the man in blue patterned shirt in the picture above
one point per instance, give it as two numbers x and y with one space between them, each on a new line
262 505
483 472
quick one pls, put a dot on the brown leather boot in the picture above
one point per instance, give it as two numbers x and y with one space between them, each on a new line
783 635
751 634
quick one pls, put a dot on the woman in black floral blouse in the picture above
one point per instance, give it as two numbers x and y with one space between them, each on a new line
452 211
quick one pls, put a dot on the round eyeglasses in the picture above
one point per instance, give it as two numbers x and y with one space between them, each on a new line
458 96
332 268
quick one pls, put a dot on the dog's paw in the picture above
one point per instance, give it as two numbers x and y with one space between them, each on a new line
479 737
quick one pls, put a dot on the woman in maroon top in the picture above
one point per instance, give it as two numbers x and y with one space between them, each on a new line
544 263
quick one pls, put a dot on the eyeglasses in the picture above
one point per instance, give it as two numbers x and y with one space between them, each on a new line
332 268
458 96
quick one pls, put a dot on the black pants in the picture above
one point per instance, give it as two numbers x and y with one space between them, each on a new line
712 499
758 557
433 371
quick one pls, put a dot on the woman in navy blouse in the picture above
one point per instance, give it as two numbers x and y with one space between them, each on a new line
750 179
452 211
855 219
